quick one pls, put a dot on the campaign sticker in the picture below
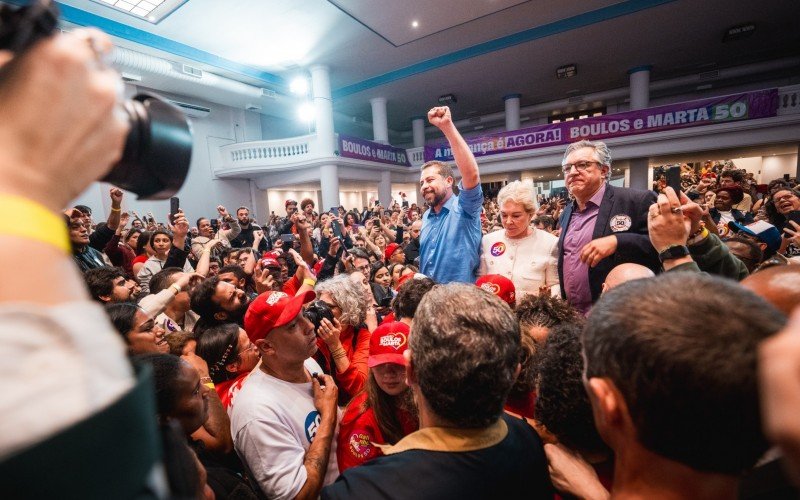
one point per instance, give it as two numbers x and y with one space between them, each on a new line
620 222
313 420
359 444
492 288
498 249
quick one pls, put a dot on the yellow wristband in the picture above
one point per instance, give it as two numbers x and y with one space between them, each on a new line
40 224
310 282
210 385
115 209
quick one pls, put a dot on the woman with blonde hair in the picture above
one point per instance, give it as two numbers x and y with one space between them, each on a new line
525 255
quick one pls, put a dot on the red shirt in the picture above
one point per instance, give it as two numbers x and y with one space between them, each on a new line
291 286
359 433
352 380
227 390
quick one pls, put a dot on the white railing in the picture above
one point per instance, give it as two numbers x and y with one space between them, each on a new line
416 156
789 100
268 153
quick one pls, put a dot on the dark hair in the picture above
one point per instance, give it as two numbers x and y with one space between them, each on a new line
162 279
736 175
235 269
156 233
562 404
144 239
306 201
545 220
166 369
465 347
83 209
100 280
219 346
131 232
177 341
121 315
358 253
409 296
385 408
755 255
545 310
689 383
202 298
197 223
374 268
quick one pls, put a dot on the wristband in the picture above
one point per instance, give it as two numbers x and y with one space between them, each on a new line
115 209
310 282
41 224
210 385
697 238
175 287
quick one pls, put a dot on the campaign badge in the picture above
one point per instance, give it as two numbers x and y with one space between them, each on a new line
620 222
498 249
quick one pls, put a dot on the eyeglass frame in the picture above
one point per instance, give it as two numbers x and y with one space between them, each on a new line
566 168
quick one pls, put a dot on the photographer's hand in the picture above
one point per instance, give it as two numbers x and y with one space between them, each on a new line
60 78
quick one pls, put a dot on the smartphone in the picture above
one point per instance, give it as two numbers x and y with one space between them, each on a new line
673 177
174 206
786 177
337 228
287 238
405 203
215 225
377 202
793 216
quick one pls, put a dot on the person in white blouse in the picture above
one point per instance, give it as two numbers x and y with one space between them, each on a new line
524 254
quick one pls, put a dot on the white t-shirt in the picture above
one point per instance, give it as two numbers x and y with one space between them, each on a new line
273 424
722 225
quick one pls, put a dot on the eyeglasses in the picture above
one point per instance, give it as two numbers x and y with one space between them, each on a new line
250 347
364 268
580 166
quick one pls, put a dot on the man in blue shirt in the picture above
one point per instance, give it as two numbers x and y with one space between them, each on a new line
450 240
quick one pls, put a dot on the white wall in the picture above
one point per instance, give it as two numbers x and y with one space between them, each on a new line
350 198
201 192
751 165
775 166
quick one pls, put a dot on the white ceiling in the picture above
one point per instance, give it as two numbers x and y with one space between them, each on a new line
466 47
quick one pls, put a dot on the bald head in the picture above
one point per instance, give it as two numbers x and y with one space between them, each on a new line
779 285
626 272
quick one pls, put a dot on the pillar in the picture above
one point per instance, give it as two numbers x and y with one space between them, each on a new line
640 174
418 129
639 87
380 125
385 188
797 169
512 111
323 110
329 181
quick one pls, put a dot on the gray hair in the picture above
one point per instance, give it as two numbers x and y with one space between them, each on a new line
465 346
520 192
348 295
600 151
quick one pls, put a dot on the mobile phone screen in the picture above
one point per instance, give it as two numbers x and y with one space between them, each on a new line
174 206
337 228
674 178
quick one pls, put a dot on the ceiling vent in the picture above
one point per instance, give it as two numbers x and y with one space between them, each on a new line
193 110
708 75
576 100
271 94
191 71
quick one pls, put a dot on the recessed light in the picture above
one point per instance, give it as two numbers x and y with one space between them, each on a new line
415 24
153 11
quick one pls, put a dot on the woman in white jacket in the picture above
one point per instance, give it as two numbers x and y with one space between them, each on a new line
525 255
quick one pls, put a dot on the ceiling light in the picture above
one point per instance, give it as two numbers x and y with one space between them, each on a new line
306 112
153 11
299 86
448 99
415 24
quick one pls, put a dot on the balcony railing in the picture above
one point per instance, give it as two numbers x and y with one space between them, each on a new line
269 153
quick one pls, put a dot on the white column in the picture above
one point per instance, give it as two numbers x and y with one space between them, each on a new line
639 87
385 188
329 181
639 176
418 129
380 124
323 110
512 111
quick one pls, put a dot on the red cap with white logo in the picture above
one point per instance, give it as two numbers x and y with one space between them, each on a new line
388 343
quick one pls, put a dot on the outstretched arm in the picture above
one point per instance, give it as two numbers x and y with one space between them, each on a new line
465 160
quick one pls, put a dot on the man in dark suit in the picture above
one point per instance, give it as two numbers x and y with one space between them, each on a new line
604 225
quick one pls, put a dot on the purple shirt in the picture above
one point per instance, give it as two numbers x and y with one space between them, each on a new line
579 234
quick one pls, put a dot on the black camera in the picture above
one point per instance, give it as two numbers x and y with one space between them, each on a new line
158 148
316 311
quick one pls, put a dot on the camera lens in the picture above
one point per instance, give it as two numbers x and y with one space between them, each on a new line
158 149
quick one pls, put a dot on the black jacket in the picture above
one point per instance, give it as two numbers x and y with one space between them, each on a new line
625 208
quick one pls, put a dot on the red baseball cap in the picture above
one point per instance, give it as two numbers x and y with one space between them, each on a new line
390 249
498 285
407 277
271 310
388 343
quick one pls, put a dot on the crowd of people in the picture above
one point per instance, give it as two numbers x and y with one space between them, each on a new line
607 342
